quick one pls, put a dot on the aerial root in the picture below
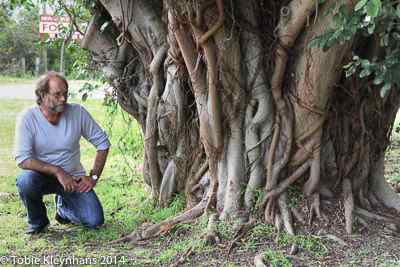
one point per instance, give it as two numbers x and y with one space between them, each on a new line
373 216
278 224
241 231
297 215
315 208
286 214
364 202
212 237
164 226
282 186
348 205
270 211
220 22
372 199
287 219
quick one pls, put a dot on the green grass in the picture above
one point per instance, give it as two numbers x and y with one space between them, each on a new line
276 258
13 79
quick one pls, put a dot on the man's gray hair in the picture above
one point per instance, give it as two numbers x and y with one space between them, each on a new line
42 85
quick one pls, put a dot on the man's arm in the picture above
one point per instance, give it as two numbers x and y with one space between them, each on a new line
62 176
86 182
99 162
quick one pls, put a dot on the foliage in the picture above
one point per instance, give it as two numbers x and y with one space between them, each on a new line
18 38
370 19
19 20
276 258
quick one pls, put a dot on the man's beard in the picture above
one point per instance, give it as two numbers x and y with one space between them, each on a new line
57 108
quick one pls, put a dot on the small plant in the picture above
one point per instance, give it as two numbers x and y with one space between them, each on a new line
276 258
310 244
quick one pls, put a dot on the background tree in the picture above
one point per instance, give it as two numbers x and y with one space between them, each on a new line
241 100
19 38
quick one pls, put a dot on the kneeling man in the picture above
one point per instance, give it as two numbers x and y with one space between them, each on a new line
47 149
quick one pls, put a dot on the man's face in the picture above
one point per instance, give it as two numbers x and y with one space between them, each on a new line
56 98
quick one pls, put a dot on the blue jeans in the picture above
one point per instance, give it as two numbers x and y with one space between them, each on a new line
80 208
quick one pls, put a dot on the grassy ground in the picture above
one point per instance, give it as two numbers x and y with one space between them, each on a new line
13 79
122 193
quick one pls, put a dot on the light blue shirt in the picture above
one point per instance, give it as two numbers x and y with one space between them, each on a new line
58 144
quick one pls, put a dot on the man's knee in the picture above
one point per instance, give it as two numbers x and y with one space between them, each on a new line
94 221
27 182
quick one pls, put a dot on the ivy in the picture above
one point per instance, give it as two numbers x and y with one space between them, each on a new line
368 18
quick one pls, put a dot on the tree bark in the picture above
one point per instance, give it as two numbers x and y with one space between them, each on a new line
236 108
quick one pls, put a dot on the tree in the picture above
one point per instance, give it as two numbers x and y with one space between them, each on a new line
17 38
241 100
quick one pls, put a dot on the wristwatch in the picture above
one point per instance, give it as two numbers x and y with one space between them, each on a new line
94 176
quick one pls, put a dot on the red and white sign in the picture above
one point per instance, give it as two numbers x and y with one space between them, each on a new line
53 25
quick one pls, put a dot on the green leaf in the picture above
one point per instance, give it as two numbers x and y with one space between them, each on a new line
385 89
398 11
315 42
365 73
84 97
373 8
371 28
396 36
360 5
378 80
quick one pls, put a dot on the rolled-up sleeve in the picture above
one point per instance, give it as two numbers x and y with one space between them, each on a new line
23 143
92 132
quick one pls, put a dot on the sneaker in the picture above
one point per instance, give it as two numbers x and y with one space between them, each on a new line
62 220
35 231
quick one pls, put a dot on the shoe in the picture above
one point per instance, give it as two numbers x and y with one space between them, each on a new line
35 231
62 220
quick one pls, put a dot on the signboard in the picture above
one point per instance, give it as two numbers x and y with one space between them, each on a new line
53 25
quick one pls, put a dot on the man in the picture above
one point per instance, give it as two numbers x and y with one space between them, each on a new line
47 149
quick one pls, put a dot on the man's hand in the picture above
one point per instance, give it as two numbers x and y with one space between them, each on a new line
85 184
67 181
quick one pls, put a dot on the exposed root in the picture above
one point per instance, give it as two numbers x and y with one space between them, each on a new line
315 208
373 216
298 216
216 26
315 171
348 205
287 129
168 184
282 186
193 183
364 202
212 237
271 152
242 230
372 199
212 191
286 214
258 260
278 223
381 188
183 258
164 226
287 219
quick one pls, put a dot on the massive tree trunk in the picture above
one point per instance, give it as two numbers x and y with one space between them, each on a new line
236 108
